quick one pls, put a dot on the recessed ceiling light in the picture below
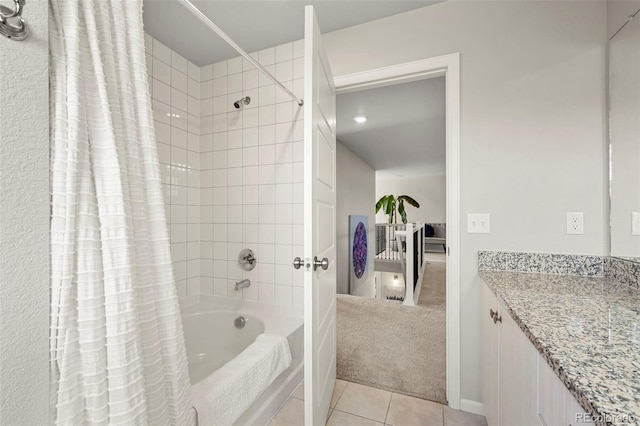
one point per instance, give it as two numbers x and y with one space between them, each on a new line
360 119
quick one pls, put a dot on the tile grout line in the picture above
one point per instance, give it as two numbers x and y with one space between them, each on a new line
341 393
331 410
388 407
335 408
358 415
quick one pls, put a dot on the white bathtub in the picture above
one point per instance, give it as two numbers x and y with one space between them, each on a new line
212 340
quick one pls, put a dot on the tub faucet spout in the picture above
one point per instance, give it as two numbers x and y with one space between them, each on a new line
242 284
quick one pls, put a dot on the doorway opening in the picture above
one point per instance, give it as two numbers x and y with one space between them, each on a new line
445 68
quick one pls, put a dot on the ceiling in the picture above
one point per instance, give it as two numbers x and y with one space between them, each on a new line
405 132
256 25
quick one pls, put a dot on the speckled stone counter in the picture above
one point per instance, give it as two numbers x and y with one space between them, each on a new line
588 330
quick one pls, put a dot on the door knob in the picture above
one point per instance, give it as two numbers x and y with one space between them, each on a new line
324 263
298 263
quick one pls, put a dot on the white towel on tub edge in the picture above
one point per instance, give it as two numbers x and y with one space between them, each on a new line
222 397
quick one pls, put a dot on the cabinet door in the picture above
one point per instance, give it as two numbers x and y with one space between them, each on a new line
552 396
490 357
518 384
575 412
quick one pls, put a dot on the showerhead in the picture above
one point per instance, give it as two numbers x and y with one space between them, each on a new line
244 101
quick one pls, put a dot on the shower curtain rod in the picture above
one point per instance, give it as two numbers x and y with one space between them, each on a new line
230 42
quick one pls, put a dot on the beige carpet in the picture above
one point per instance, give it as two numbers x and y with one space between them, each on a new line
434 291
394 347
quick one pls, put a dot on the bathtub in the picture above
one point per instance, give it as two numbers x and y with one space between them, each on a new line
212 340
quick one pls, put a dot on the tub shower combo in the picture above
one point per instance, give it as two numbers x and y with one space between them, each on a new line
244 360
124 349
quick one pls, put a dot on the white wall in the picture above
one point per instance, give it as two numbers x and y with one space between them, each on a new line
355 195
252 177
24 223
618 11
429 191
175 94
532 117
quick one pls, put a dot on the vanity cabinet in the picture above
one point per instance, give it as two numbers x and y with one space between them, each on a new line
556 405
509 364
519 387
490 357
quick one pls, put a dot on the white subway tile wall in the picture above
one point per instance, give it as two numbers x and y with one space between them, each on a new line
251 182
232 178
175 92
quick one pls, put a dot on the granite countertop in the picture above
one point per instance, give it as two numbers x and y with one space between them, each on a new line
588 330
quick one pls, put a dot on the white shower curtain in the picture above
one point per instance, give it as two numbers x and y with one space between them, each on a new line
117 349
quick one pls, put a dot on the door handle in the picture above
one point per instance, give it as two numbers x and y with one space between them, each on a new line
298 263
324 263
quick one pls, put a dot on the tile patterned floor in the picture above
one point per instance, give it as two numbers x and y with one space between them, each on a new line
357 405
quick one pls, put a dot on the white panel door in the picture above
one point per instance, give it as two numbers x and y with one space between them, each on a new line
319 226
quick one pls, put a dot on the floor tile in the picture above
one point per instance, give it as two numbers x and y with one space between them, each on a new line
290 414
409 411
339 418
364 401
299 392
337 392
459 418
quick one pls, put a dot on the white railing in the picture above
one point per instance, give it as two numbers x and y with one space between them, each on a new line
405 244
386 245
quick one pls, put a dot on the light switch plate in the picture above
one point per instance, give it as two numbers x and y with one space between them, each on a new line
575 223
635 223
478 223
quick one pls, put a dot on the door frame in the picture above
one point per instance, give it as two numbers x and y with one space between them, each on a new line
449 67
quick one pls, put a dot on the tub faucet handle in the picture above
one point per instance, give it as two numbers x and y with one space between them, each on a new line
247 259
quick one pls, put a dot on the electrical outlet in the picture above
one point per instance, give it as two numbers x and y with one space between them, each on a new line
575 223
635 223
478 223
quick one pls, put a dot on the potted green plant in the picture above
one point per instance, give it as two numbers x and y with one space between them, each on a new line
388 204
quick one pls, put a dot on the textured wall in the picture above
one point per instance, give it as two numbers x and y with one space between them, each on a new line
24 223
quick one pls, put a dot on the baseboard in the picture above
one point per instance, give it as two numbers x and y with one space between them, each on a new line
475 407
